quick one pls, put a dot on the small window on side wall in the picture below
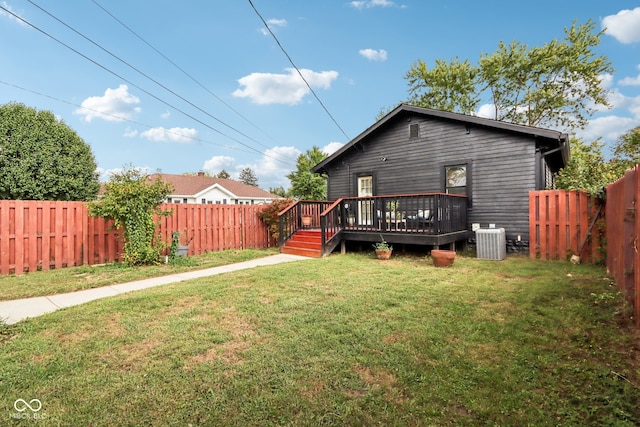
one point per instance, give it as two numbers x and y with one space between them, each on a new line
414 131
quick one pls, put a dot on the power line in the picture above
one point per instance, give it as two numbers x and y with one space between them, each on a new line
135 85
144 74
117 117
298 70
179 68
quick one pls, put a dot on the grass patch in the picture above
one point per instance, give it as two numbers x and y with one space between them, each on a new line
50 282
344 340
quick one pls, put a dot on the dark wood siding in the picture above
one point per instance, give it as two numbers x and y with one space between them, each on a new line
503 167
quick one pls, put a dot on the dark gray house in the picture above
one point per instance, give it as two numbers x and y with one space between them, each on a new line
425 176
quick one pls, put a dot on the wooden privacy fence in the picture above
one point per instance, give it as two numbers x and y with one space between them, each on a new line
564 223
623 232
40 235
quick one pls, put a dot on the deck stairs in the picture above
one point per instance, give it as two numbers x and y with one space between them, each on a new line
305 242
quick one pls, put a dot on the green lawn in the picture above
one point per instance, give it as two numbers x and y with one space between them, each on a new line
43 283
344 340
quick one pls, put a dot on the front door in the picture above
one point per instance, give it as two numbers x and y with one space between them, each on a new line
365 207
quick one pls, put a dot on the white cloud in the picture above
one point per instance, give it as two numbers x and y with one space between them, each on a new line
217 163
170 135
106 174
271 169
623 26
371 3
130 133
631 81
275 164
165 115
267 88
488 111
273 25
609 128
9 15
116 105
332 147
374 55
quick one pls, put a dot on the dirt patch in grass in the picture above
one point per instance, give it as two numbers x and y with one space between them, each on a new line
242 337
314 389
137 354
378 379
395 337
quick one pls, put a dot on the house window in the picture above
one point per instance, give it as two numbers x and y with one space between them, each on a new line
414 131
455 179
204 201
184 200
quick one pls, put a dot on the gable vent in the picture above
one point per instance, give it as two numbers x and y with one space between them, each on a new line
414 129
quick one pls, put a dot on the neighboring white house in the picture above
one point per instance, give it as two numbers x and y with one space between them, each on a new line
203 189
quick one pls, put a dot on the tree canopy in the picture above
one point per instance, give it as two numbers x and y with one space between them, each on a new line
626 152
41 158
554 85
223 174
305 184
247 176
587 170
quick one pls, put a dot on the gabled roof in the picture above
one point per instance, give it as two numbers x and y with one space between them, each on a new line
192 185
558 139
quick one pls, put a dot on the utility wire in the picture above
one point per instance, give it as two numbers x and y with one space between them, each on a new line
2 7
119 118
298 70
180 68
144 74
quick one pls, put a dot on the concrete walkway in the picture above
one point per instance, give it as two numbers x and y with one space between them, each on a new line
16 310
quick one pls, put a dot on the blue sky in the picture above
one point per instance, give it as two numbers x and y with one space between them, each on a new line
221 94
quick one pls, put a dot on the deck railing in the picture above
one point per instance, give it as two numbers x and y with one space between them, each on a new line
296 216
428 213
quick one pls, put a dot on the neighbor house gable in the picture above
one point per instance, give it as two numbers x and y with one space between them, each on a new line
204 189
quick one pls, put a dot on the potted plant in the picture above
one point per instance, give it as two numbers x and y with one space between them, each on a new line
383 249
443 258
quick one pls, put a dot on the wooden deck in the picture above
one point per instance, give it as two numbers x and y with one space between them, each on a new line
432 219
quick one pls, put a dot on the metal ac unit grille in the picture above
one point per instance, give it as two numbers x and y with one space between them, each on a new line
491 243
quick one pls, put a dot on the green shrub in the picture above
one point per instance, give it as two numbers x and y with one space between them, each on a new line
131 199
270 215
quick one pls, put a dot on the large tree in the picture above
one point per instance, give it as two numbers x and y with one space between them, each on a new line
306 185
247 176
587 170
554 85
626 151
41 158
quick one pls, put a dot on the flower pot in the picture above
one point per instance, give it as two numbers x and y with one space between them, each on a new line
306 221
383 254
442 258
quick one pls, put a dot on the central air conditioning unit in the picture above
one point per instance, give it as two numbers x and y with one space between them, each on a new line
491 243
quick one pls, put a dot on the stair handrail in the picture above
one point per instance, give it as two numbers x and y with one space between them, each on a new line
335 227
